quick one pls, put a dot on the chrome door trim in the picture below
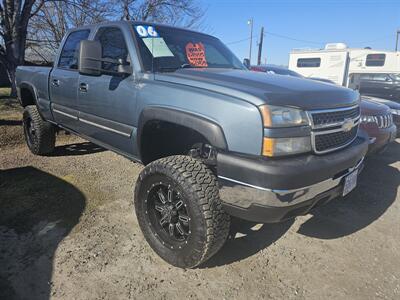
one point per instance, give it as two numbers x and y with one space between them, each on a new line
105 127
65 114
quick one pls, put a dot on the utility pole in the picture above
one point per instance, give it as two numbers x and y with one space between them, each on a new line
397 38
260 44
250 22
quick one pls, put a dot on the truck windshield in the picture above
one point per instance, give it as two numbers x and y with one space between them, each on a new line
165 49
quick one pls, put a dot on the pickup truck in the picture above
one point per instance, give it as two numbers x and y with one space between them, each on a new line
216 139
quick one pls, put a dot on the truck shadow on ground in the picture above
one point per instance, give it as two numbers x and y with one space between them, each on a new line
75 149
37 211
376 192
10 123
247 239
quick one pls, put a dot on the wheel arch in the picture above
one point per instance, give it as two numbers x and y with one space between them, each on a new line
205 128
27 94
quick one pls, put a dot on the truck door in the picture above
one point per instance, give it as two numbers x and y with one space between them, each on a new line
107 103
64 81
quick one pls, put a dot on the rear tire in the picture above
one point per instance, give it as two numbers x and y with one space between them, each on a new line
179 211
40 136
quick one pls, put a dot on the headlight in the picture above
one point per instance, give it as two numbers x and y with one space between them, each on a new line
395 111
367 119
278 116
286 146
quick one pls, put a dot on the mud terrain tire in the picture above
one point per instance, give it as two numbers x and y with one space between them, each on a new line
40 136
195 189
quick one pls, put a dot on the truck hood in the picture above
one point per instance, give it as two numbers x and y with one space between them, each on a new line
261 88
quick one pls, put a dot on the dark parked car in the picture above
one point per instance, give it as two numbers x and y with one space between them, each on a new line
376 119
394 108
381 85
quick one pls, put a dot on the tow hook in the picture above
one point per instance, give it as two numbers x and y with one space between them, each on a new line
205 152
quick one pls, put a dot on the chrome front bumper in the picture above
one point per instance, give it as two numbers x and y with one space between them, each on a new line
244 195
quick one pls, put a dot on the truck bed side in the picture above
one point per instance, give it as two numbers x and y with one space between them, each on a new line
33 88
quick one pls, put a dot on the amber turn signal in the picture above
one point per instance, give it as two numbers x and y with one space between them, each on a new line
266 116
268 147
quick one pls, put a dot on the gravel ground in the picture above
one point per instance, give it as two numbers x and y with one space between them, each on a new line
68 231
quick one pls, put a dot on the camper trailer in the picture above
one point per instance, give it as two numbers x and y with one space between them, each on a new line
343 65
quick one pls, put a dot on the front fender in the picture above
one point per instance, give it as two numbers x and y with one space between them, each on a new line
207 128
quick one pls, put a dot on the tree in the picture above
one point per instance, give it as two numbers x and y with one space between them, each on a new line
186 13
14 19
50 19
55 18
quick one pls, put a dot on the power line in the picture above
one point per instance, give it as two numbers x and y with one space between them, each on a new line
305 41
239 41
374 40
292 39
276 35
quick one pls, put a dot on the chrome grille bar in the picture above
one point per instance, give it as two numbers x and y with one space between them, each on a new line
326 128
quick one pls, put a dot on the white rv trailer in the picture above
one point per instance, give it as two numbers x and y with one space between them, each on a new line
341 64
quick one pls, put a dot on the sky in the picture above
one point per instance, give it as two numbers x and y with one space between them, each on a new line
292 24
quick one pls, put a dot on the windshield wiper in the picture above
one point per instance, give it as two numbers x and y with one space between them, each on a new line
173 69
186 66
168 69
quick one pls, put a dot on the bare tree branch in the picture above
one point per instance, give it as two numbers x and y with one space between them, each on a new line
186 13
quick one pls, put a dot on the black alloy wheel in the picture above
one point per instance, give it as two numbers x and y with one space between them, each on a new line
179 211
168 215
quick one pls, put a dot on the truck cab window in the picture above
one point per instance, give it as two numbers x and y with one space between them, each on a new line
70 52
113 46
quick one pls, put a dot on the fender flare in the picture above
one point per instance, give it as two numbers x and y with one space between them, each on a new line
207 128
28 86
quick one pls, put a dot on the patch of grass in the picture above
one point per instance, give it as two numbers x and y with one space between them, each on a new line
9 106
5 92
7 103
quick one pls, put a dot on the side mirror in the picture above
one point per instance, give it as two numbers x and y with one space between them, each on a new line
124 67
90 58
246 62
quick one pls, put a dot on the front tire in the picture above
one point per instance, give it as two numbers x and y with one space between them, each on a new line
40 136
178 209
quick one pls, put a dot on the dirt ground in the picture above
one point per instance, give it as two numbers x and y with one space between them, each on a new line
68 231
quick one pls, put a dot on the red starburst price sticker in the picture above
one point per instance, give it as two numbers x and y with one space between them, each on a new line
196 55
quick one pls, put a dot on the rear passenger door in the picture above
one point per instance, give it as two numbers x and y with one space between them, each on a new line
107 103
64 81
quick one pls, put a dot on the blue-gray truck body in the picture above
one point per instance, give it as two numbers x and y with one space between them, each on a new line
220 105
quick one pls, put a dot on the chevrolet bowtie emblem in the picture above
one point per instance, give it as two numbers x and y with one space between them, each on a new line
347 125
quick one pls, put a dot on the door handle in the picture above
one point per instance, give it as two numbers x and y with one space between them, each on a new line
83 87
55 82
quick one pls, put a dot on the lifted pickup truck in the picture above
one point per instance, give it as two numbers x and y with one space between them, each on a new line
217 139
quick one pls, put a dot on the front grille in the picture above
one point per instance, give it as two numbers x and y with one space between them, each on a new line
384 121
396 119
337 116
334 129
324 142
